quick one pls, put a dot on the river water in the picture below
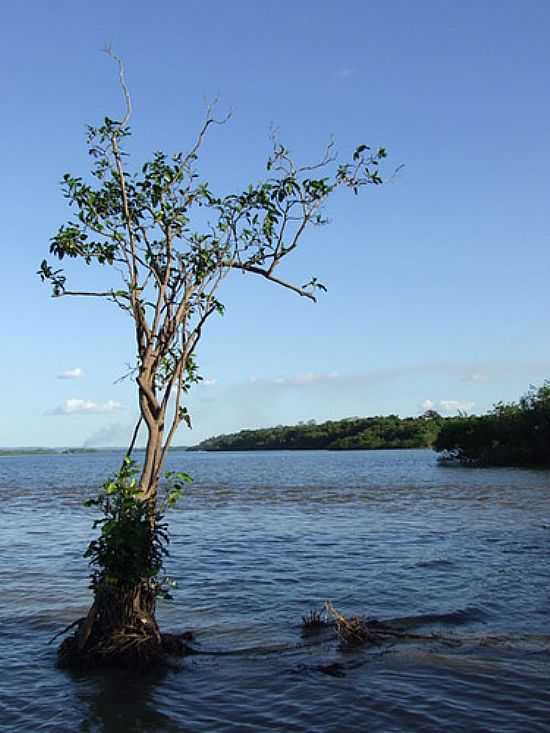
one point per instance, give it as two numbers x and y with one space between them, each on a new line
259 540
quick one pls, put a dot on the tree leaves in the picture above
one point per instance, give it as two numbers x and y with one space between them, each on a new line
132 541
173 240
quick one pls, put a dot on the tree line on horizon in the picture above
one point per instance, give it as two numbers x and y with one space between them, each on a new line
510 434
355 433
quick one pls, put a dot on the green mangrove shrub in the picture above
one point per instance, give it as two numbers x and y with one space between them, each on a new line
133 539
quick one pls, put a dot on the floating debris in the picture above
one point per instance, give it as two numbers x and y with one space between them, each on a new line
353 631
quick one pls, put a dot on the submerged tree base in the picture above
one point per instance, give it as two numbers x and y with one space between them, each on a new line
128 648
120 630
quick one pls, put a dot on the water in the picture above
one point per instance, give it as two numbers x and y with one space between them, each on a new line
262 538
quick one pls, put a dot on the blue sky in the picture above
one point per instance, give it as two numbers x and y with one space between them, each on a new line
437 282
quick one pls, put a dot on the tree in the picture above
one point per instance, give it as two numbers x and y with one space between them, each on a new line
511 434
141 225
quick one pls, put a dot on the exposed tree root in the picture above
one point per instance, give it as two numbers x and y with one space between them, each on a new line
129 647
120 630
67 628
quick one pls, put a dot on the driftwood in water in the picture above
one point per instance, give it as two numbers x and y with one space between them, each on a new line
353 631
358 630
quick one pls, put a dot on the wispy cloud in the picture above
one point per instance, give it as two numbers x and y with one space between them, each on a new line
307 378
472 373
85 407
208 382
75 373
115 434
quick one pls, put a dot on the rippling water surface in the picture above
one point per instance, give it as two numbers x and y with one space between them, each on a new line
262 538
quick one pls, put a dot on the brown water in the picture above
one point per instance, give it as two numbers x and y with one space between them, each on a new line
261 539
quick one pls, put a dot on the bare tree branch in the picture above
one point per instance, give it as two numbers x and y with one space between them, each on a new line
278 281
122 79
210 120
105 294
134 437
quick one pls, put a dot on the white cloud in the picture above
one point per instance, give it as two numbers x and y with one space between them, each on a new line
75 373
85 407
447 406
208 382
456 405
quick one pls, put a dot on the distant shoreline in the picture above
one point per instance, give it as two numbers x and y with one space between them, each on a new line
4 452
44 451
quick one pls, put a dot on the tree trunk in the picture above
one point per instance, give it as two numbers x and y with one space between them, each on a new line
154 420
151 468
120 628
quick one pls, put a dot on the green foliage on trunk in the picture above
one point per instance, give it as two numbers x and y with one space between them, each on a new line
133 539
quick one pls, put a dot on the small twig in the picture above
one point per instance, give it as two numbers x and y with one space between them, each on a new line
68 628
313 620
134 438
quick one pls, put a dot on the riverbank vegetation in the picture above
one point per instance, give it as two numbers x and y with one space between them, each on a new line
353 433
511 434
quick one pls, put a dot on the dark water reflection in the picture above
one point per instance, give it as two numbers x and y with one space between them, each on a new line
259 540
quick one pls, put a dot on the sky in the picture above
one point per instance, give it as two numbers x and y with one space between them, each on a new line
437 281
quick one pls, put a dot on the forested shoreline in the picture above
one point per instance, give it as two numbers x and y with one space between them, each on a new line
511 434
354 433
